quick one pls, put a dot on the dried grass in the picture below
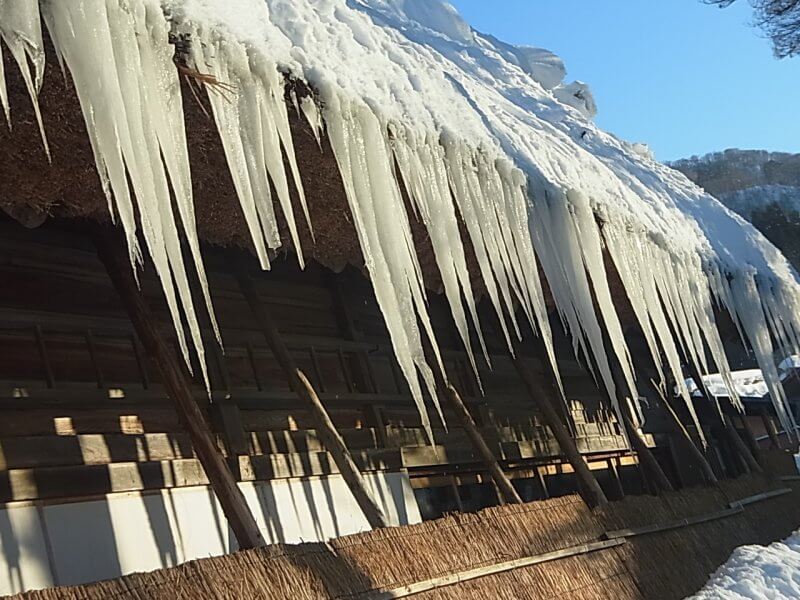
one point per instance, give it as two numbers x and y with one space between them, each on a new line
669 564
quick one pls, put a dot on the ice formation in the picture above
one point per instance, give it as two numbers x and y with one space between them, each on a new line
415 102
21 30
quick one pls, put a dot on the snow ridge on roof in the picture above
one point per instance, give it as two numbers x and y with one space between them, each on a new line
480 131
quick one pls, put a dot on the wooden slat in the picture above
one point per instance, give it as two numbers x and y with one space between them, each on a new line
436 583
94 480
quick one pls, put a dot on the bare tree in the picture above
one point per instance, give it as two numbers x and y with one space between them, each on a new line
779 19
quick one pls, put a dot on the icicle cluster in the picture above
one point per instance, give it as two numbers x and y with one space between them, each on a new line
253 123
121 62
21 30
120 59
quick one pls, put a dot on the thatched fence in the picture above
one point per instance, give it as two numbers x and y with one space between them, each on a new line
660 547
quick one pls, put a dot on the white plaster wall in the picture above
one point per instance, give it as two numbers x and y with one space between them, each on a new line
78 542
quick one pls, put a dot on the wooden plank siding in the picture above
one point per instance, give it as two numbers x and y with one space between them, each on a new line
78 397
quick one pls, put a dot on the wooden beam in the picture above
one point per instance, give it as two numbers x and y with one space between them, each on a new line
323 424
750 437
740 446
503 483
647 376
646 458
772 431
436 583
589 487
506 492
652 469
113 255
682 432
613 470
741 449
42 347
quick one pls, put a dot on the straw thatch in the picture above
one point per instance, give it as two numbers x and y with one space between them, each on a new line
668 564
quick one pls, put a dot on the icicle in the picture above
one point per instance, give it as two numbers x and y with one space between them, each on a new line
361 151
565 263
120 62
422 170
311 112
748 304
253 123
591 249
21 30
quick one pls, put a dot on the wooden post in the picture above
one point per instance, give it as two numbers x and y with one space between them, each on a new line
323 425
115 258
611 465
456 494
646 458
590 489
772 431
740 446
501 480
729 460
505 489
684 435
749 462
752 442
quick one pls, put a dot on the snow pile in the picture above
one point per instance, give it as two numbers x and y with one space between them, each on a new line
480 131
757 573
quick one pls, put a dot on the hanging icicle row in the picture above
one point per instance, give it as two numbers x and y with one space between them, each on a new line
121 61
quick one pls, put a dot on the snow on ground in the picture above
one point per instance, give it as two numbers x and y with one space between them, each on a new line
757 573
481 131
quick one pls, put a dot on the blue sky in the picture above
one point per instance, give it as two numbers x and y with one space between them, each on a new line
682 76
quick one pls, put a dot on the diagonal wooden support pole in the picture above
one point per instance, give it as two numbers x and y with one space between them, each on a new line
740 446
505 489
647 460
589 487
672 415
772 431
113 255
647 376
325 428
736 441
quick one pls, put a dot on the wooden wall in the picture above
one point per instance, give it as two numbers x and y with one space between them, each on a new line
82 411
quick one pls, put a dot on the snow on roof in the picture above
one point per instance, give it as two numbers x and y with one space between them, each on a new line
481 131
748 383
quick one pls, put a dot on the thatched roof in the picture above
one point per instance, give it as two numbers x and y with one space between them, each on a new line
379 564
68 186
